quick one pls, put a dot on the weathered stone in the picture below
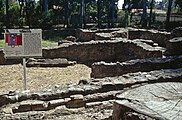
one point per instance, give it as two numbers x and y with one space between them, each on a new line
23 107
102 69
177 32
4 100
71 38
149 42
151 100
103 36
38 105
85 35
2 57
63 42
93 104
49 63
158 37
7 110
121 33
30 106
76 101
55 103
88 35
101 96
174 46
47 34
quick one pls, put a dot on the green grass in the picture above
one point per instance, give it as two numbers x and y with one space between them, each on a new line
49 43
1 43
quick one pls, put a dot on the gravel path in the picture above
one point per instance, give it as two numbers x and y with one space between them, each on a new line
11 77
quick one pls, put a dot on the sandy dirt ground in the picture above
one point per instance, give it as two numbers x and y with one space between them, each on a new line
38 78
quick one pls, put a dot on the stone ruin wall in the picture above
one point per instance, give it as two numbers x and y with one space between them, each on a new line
90 52
102 51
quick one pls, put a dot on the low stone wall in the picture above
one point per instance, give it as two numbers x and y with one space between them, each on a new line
114 50
102 69
58 33
92 90
2 58
158 37
100 34
85 35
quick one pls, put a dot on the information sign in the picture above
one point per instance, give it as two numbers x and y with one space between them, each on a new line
23 43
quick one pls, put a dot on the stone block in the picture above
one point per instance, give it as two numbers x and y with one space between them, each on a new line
76 101
38 106
23 107
174 46
103 36
55 103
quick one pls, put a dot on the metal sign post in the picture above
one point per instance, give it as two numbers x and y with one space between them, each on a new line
24 75
23 43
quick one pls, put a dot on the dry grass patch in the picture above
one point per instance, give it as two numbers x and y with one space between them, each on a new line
40 78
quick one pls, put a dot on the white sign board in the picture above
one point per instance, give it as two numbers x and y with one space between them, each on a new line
23 43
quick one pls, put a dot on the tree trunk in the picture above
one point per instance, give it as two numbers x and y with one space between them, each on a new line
7 13
113 11
151 8
168 13
82 13
45 6
144 16
67 13
99 13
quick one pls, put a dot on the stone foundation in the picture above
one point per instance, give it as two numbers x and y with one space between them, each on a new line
102 69
114 50
158 37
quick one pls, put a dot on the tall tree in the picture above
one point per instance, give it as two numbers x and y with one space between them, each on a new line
44 5
82 12
168 12
144 15
7 13
151 8
99 13
179 4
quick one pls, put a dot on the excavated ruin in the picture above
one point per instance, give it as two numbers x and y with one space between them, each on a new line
136 75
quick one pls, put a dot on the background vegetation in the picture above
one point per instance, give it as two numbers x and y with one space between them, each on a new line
67 13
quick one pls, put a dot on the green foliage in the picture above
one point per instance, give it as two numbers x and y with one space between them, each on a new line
2 43
49 44
14 14
46 20
179 4
121 18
